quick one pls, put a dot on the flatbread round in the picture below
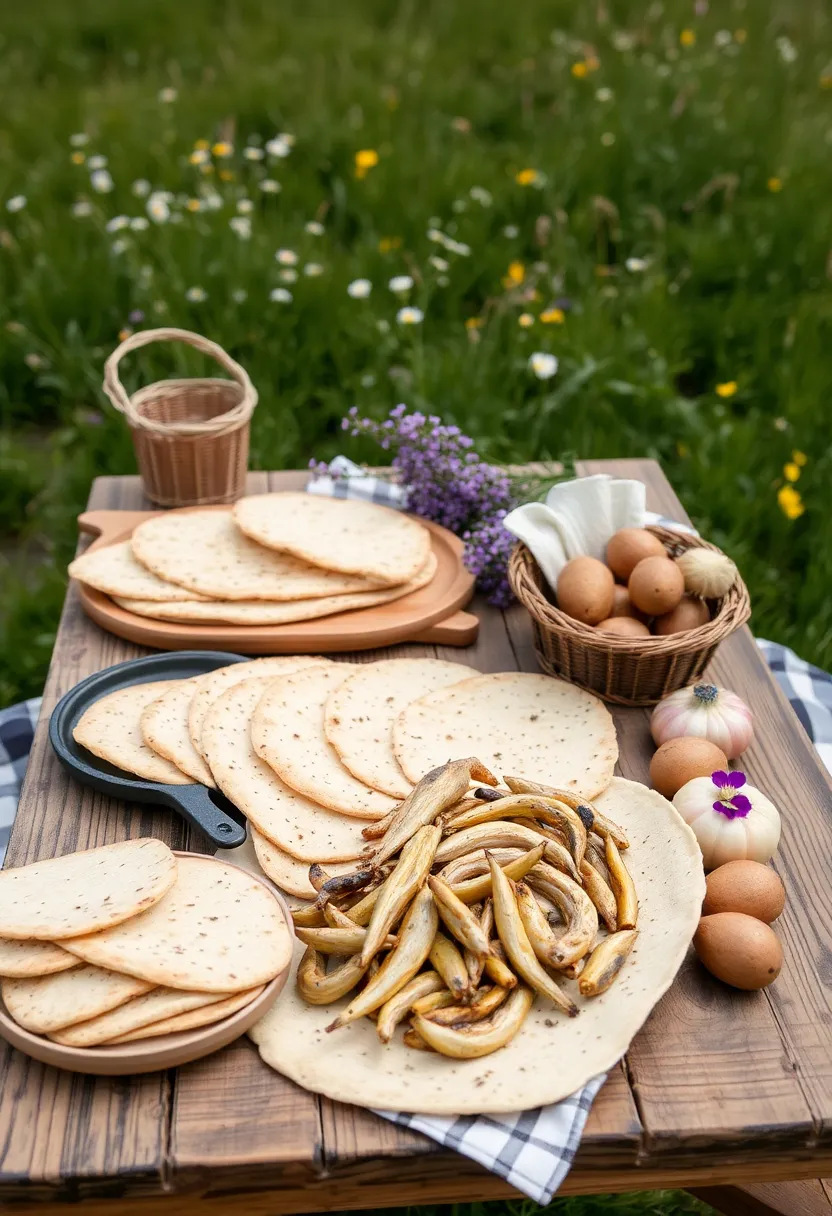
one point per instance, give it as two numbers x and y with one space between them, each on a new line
111 729
287 873
153 1006
216 930
552 1056
164 727
261 612
21 960
360 713
204 1016
214 683
355 537
115 570
293 823
515 723
84 892
51 1002
287 731
206 552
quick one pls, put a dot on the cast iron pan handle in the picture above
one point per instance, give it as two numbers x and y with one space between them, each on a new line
195 803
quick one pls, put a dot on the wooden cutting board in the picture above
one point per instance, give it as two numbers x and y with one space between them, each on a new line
428 615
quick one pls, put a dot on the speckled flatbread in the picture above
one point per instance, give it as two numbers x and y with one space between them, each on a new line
115 570
360 713
287 873
164 727
287 731
21 960
84 892
204 1016
153 1006
111 729
216 930
355 537
50 1002
206 552
515 723
295 824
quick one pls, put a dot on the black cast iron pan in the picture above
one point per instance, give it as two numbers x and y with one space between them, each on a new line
206 809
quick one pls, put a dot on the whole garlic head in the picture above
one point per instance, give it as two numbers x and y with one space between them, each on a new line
706 573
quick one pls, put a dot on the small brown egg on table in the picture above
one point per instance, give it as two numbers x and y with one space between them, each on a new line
585 590
689 613
739 950
622 605
679 760
656 585
624 627
627 547
744 886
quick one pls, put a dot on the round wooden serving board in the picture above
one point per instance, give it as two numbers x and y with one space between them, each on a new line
428 615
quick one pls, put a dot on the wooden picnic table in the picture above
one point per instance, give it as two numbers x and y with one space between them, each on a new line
720 1088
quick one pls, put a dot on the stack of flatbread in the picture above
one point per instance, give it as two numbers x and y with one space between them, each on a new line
317 754
129 942
270 560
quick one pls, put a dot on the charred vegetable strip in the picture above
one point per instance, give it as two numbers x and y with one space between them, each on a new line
339 941
459 920
485 1002
605 962
308 916
538 930
412 1039
397 1008
399 889
438 790
361 912
343 884
336 919
623 887
319 988
447 960
435 1000
600 894
503 833
550 811
476 962
574 905
591 818
471 889
498 970
481 1038
375 831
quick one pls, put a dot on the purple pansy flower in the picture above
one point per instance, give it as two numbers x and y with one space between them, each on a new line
730 804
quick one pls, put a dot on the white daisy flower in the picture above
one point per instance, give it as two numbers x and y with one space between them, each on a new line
435 235
315 228
17 203
438 263
722 38
245 206
141 187
241 224
279 147
79 139
158 208
251 153
239 295
199 156
279 295
167 95
636 265
120 246
410 316
139 223
400 283
603 94
101 181
359 289
313 269
289 275
97 162
286 257
480 195
543 365
196 295
82 208
511 231
287 138
270 186
211 199
117 223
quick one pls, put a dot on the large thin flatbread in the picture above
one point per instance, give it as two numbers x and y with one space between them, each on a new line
164 727
111 729
115 570
50 1002
355 537
515 723
153 1006
261 612
360 714
287 873
84 892
22 960
552 1056
204 1016
206 552
214 683
216 930
287 731
296 825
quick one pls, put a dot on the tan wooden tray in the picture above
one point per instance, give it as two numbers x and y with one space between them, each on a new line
428 615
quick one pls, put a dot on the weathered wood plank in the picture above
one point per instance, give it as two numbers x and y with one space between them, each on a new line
773 1199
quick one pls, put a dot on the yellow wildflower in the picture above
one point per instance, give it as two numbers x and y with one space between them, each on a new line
526 177
202 145
791 471
826 80
365 160
727 389
223 149
579 70
515 275
78 158
474 323
389 243
226 175
799 458
593 63
199 156
682 449
192 204
790 502
740 36
124 334
553 316
687 38
775 185
525 320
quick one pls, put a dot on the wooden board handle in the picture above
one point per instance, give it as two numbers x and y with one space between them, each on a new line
110 523
461 629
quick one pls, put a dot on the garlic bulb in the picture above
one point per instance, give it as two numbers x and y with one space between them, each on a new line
707 573
732 821
707 712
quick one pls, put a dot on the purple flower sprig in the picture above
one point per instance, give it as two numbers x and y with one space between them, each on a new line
730 804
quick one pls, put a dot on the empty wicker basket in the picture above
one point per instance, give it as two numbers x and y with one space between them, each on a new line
628 671
191 436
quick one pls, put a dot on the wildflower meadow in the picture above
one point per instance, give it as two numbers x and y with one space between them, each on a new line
566 229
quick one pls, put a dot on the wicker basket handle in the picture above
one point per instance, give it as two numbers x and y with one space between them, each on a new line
123 403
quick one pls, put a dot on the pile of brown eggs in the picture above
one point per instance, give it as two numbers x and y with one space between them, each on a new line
640 591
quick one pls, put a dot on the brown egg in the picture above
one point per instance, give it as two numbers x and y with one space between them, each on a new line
622 604
689 613
744 886
656 585
585 588
624 626
680 760
739 950
627 547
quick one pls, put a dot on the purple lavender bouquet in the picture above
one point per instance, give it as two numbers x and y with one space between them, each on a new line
449 483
